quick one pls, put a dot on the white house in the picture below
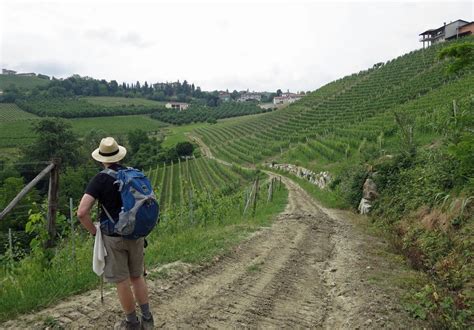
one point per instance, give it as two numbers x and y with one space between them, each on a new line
8 72
286 98
177 105
250 97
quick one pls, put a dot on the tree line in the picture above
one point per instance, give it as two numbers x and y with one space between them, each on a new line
77 85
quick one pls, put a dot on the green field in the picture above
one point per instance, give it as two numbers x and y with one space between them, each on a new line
176 134
11 112
21 82
112 101
14 133
116 124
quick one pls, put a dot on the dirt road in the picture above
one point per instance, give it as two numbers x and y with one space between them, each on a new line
313 268
205 150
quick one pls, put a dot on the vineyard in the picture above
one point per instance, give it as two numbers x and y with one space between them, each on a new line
74 107
347 116
177 183
11 112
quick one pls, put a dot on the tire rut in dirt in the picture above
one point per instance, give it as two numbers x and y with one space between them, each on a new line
276 279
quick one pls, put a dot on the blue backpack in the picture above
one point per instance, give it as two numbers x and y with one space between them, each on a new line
140 210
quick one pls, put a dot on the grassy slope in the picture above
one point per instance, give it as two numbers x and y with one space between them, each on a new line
176 134
23 82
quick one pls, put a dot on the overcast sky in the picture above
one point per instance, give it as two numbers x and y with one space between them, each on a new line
256 45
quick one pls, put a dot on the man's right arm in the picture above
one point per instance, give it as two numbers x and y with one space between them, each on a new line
84 213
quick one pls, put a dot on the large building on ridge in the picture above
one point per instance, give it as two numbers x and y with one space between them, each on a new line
453 30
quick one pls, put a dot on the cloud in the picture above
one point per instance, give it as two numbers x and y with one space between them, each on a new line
53 68
134 39
111 36
299 44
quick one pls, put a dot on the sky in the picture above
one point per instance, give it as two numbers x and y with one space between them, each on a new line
257 45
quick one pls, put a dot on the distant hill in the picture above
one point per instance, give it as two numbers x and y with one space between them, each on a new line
21 81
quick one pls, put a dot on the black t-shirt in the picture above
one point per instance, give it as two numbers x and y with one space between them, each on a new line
102 188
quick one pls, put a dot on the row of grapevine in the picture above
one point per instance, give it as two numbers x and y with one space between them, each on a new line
11 112
176 182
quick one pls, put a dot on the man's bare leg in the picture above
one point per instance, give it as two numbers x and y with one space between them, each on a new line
140 289
125 295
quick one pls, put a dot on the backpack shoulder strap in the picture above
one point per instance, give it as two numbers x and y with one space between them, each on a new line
110 172
114 174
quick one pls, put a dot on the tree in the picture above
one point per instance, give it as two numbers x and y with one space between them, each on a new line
234 95
184 149
462 56
54 139
136 138
279 92
113 87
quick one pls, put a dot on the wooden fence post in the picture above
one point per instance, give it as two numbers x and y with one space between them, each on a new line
53 197
270 190
255 197
73 238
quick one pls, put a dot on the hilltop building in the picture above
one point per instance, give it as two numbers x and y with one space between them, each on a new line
8 72
286 98
449 31
224 96
177 105
27 74
250 97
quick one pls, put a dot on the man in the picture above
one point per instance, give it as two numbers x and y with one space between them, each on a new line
124 260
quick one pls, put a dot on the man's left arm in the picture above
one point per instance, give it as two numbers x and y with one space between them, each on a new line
84 213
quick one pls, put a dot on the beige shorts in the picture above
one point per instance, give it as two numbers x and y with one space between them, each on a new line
124 258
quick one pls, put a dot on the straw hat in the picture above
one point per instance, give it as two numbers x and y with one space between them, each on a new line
109 151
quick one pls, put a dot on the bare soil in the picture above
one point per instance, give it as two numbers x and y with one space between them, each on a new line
313 268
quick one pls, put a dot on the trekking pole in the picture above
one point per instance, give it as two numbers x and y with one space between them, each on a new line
101 276
145 244
102 288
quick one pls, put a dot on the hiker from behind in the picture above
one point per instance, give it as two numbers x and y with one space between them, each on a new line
124 260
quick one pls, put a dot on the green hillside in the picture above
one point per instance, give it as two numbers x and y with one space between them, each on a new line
21 81
356 109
